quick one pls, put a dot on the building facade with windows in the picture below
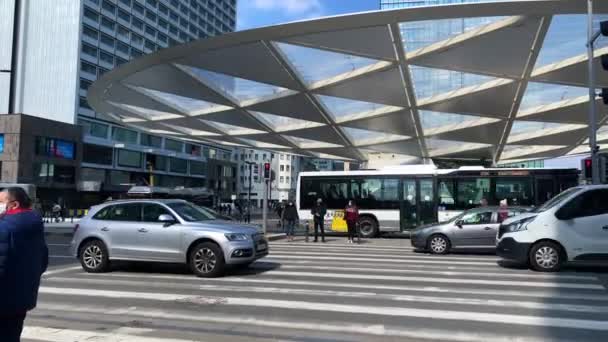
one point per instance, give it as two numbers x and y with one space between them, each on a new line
54 50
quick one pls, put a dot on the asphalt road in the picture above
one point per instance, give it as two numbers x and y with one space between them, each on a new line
377 291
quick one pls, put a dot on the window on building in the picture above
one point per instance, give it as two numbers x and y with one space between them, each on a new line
174 145
90 32
150 45
137 8
152 3
122 47
282 167
151 16
136 39
125 2
107 40
158 163
108 6
107 23
287 168
89 50
287 179
281 179
163 9
128 158
102 71
96 154
120 61
106 57
162 38
90 14
82 102
122 14
150 31
138 24
257 156
151 140
192 149
198 168
124 33
135 53
212 153
92 175
282 157
163 24
124 135
178 165
84 84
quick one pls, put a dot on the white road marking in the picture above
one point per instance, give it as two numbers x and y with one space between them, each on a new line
71 335
335 245
443 273
406 250
364 258
55 271
542 321
350 294
372 330
381 257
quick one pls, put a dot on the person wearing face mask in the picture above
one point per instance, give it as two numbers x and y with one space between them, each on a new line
23 260
352 216
290 217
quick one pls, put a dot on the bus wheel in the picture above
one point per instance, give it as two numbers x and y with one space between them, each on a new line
368 228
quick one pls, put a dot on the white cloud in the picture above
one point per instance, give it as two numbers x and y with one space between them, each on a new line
290 7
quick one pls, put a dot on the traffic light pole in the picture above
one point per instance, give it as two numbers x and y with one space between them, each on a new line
265 207
595 172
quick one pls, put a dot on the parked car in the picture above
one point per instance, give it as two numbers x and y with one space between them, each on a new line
171 231
571 227
473 228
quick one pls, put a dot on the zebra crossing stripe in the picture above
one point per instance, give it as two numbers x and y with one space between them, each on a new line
389 256
290 256
484 317
419 333
70 335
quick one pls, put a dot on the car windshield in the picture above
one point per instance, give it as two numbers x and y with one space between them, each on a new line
191 212
555 200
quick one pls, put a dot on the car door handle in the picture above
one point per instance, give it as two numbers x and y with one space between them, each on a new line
105 229
605 227
487 228
142 230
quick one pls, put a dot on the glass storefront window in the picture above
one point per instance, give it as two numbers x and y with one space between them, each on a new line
517 191
119 177
198 168
95 154
471 192
95 129
174 145
158 163
124 135
178 165
128 158
151 140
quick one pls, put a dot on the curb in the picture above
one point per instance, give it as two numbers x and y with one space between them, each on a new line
274 237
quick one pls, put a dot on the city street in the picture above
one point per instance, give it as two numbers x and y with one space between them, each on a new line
377 291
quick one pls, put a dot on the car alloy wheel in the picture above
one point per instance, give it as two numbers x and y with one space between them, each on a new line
92 256
438 244
205 260
547 257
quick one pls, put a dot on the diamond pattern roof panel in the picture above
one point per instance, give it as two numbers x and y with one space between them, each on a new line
508 76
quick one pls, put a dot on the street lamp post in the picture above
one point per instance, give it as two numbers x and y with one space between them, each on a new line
249 191
592 37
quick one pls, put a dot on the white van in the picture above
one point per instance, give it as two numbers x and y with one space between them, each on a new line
571 227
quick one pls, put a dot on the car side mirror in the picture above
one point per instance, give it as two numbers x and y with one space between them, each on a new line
564 214
166 219
459 223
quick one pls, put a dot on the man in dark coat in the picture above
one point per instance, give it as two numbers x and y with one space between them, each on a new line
23 260
318 213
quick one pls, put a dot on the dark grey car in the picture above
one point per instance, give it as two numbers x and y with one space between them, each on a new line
473 228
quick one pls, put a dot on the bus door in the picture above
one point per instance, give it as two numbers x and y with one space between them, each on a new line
427 211
545 189
409 205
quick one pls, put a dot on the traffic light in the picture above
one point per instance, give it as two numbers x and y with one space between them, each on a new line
587 168
267 171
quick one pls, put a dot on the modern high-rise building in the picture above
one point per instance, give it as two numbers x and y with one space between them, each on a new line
52 51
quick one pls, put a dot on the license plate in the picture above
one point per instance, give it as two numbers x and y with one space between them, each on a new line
262 246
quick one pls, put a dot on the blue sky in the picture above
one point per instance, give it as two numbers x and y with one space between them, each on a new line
257 13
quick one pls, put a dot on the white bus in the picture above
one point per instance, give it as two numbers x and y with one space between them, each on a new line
401 198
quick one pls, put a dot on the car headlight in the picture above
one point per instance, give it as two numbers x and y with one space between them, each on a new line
519 225
237 237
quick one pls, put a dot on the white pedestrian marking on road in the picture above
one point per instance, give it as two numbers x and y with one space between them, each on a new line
417 334
443 273
391 260
544 321
55 271
347 294
72 335
382 257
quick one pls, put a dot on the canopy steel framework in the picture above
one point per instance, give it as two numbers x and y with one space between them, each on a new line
343 87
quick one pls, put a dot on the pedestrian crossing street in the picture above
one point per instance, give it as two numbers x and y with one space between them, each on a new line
324 292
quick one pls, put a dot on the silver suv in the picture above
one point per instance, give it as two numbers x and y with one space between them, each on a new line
171 231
